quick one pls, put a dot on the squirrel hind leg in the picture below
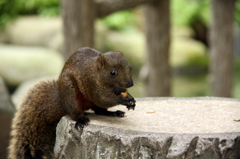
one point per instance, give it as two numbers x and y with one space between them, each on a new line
81 122
105 112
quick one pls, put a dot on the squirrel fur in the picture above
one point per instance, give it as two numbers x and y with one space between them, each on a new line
89 80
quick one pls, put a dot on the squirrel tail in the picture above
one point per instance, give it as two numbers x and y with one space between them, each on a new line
33 131
22 145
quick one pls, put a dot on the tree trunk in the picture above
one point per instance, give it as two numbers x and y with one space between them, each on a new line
78 20
221 44
78 24
158 39
105 7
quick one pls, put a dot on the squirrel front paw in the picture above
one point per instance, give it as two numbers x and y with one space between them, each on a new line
81 122
104 111
118 113
127 100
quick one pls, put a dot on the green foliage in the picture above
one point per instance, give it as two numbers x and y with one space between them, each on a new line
198 62
9 9
196 85
120 20
7 12
42 7
237 67
236 78
237 12
184 12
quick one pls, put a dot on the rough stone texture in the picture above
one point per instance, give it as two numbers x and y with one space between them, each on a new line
159 128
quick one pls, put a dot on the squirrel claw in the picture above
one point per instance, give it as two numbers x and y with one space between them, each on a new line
119 113
131 105
81 122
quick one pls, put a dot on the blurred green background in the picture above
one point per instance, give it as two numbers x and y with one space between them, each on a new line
124 31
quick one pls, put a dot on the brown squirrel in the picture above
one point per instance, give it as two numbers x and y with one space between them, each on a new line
89 80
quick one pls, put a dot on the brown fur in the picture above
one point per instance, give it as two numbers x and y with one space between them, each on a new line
34 124
85 83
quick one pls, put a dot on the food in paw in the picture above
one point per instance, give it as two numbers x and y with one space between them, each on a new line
124 94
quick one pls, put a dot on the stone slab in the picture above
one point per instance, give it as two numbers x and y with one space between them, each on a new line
177 115
159 128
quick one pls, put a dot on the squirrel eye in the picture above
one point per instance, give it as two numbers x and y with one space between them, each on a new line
112 73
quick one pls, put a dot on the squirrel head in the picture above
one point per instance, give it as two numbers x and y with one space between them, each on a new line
114 71
101 77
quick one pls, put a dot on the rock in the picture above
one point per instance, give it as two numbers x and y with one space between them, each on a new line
176 128
19 63
44 32
35 31
21 91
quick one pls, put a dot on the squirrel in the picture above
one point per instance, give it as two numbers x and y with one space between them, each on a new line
89 80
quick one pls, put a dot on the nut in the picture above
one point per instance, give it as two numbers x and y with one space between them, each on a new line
124 94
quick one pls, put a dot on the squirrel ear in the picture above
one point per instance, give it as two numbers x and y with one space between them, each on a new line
120 53
100 60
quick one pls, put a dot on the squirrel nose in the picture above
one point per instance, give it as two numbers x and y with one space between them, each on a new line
130 83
